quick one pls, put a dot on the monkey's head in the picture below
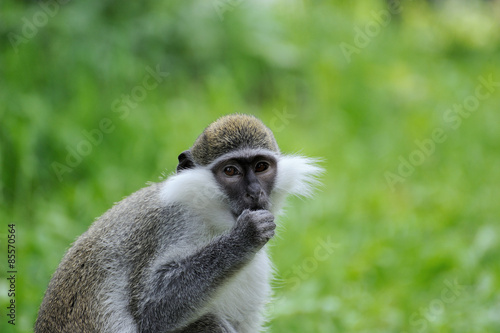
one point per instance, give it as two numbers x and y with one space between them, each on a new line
242 154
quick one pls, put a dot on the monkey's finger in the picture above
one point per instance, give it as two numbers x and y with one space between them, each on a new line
267 227
268 235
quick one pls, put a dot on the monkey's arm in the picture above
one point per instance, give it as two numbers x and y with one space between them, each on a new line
181 288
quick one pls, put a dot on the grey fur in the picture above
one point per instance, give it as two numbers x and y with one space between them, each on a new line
230 133
185 255
172 268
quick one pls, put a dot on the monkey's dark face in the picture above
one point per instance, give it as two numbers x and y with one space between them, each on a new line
247 180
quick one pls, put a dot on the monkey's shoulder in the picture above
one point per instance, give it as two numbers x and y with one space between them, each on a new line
138 210
144 216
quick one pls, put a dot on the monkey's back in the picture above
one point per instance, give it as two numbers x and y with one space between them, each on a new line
95 269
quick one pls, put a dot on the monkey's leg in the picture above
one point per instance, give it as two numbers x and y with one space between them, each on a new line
208 324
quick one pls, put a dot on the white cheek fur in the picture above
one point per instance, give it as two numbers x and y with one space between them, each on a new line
198 190
297 175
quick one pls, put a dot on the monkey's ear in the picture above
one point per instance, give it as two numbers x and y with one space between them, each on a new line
185 161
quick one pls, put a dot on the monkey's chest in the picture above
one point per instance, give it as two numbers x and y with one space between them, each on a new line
243 299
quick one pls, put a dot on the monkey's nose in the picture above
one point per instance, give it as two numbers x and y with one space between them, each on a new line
252 196
255 200
254 190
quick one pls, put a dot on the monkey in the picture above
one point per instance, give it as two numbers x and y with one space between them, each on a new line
187 254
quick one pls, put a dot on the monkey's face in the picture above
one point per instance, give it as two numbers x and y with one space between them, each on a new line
247 179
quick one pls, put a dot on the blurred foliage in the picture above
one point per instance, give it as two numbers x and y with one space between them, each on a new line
419 254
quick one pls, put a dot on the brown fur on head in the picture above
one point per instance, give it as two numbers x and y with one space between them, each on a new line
232 132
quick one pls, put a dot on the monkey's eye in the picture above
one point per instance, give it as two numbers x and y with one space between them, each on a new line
231 171
261 166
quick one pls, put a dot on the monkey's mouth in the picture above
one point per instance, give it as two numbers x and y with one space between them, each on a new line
237 212
257 207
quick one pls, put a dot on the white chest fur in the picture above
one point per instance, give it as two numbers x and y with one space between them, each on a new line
242 300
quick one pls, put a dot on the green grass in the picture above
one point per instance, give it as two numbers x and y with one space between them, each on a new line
420 255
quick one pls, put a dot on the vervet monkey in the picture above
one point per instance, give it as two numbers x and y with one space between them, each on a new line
187 254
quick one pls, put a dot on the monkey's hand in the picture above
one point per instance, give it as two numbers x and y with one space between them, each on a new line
255 228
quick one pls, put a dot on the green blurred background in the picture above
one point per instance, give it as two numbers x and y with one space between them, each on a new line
400 101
